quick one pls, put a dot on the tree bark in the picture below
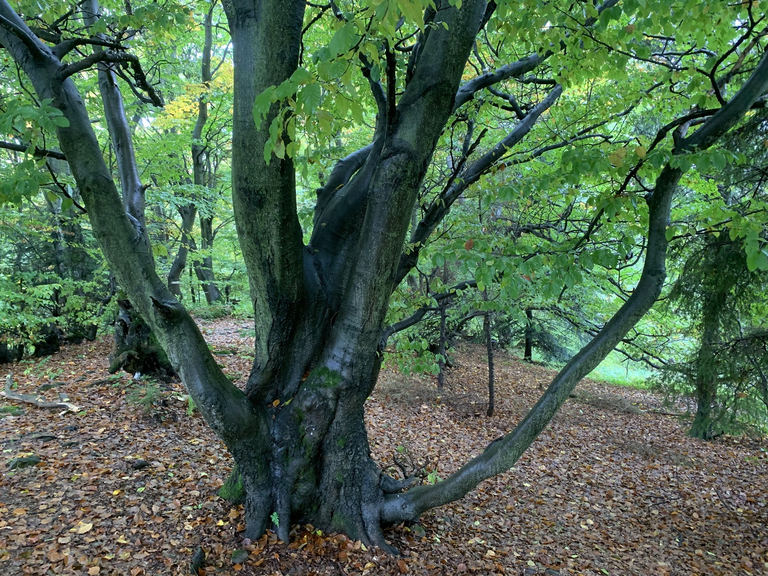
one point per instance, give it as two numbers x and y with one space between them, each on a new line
202 178
204 266
716 289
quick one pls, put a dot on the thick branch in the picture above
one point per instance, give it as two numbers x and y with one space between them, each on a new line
730 114
11 22
34 400
65 47
266 44
512 70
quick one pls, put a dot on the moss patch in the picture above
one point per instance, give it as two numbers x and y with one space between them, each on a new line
233 490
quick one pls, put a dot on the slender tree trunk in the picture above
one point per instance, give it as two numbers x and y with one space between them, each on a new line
204 266
491 373
441 346
202 177
188 214
528 354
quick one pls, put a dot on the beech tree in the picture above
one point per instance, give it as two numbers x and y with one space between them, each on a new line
297 430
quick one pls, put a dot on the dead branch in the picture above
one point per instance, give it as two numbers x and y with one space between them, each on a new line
34 400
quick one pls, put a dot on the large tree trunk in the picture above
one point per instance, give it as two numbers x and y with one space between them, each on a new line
317 468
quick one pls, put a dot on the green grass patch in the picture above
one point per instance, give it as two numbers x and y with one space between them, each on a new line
616 369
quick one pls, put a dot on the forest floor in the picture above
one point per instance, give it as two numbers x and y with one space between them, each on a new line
612 487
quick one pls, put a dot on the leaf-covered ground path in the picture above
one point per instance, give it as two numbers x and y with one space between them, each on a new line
611 488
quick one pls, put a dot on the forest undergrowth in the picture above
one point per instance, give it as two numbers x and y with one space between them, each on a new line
128 484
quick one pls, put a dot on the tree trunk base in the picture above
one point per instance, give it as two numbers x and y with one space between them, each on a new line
135 349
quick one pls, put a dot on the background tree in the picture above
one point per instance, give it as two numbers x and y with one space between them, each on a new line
720 291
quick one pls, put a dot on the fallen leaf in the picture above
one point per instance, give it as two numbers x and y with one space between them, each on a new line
82 527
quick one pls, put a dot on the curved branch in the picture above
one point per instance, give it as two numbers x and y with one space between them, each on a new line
116 58
66 46
416 317
340 175
515 69
730 114
31 399
19 31
504 452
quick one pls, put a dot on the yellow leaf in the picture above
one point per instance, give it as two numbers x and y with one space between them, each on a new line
94 570
122 540
641 151
116 492
83 527
617 157
276 403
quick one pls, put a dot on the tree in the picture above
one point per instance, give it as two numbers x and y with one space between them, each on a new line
720 291
204 152
297 432
717 289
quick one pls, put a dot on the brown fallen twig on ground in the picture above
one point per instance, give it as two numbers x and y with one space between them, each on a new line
34 400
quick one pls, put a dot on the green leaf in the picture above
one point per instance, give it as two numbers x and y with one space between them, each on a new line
757 260
239 556
344 38
160 250
262 103
301 76
309 97
718 160
279 149
413 11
